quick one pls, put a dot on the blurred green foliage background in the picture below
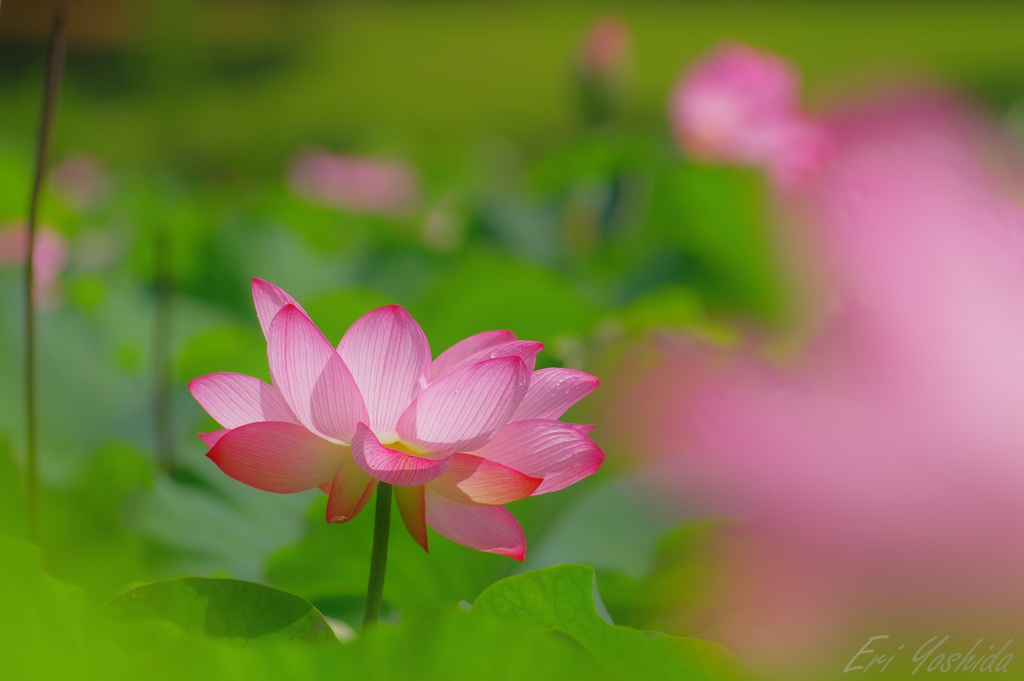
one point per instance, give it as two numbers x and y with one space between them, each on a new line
236 85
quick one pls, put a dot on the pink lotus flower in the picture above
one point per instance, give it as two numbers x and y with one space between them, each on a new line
51 254
880 467
81 179
605 48
603 68
458 436
739 105
360 184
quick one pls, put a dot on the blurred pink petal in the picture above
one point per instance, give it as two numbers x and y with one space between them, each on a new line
605 46
81 179
603 68
740 105
51 255
361 184
886 455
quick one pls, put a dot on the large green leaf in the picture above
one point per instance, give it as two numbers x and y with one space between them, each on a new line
457 646
41 617
244 612
47 633
13 504
562 598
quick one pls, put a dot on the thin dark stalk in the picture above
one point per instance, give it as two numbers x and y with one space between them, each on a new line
162 330
55 51
378 554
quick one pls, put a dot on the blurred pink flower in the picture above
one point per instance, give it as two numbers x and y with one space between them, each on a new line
739 105
359 184
605 47
458 436
603 68
81 179
51 254
881 465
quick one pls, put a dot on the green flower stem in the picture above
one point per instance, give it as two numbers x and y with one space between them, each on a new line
54 72
379 554
163 390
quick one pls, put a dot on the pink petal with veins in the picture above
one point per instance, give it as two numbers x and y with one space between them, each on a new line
553 391
555 451
411 506
466 347
211 438
350 489
391 465
312 377
475 480
484 528
277 457
269 300
389 358
234 400
524 350
464 409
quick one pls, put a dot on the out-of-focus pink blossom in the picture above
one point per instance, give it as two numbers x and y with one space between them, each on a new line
80 179
603 68
51 254
740 105
880 466
605 47
458 436
354 183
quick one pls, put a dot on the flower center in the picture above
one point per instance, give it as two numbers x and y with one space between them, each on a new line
400 446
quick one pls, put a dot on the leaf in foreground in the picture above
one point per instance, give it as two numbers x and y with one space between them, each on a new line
244 612
562 598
